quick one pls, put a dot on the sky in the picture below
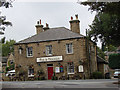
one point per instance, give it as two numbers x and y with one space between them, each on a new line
24 17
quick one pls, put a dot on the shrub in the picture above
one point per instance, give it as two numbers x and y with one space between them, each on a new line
97 75
54 78
42 78
114 61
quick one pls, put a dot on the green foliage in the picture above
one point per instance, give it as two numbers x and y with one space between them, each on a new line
6 69
106 25
12 67
7 47
106 7
54 77
6 3
3 40
114 61
3 22
110 48
40 72
106 28
97 75
100 53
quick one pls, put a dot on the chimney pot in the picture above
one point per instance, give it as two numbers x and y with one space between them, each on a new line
76 16
47 25
71 18
40 21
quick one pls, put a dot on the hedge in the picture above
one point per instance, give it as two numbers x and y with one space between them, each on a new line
114 61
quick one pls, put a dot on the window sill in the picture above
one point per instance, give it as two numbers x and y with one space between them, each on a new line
71 73
49 55
31 75
69 53
29 56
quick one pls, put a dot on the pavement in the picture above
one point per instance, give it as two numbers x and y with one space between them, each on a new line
97 83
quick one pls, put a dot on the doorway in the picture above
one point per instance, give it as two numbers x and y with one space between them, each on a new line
50 71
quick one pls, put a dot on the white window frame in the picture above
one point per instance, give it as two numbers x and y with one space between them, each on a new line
30 74
70 68
20 51
69 48
31 54
48 50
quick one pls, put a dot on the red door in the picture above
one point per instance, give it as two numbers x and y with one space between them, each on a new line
50 72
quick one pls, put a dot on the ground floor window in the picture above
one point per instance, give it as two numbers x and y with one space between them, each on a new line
30 72
70 68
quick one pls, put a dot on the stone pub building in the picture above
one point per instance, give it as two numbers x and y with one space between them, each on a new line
59 52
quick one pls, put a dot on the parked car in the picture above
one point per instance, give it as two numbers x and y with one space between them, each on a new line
116 74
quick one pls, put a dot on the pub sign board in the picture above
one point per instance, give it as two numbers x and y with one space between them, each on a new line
50 59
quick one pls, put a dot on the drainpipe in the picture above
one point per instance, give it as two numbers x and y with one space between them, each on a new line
88 54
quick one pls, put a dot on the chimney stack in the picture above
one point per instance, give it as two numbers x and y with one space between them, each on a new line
39 27
74 24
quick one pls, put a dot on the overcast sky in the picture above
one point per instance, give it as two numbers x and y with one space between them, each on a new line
24 17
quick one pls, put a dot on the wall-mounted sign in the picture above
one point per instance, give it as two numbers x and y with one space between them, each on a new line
57 69
49 59
61 68
80 68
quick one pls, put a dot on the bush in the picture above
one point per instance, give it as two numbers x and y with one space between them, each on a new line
97 75
114 61
6 69
42 78
54 78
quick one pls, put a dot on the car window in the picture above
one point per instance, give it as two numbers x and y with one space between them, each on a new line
117 72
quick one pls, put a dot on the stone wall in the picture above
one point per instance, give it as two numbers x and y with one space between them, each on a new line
58 49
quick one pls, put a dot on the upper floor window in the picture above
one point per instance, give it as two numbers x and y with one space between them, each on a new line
29 52
49 50
69 48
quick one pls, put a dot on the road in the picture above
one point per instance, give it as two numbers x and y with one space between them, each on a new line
102 83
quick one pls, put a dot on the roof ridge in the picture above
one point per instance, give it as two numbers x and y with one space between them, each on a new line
52 34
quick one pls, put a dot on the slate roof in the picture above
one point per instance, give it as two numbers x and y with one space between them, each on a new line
52 34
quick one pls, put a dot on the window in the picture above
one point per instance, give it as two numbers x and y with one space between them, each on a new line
20 51
49 50
70 68
29 52
30 72
11 61
69 48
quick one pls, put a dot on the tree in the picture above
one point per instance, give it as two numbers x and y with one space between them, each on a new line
100 53
3 40
106 28
3 22
106 25
114 61
7 47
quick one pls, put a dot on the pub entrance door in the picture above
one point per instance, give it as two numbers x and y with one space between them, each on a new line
50 71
